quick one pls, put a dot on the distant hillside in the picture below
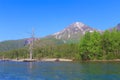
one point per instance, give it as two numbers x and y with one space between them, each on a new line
15 44
48 42
11 44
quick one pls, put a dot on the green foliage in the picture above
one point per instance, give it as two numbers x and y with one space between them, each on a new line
47 51
12 54
100 46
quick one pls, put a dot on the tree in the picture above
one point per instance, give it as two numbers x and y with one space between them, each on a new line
84 46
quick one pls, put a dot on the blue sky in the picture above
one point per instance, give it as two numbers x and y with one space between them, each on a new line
18 17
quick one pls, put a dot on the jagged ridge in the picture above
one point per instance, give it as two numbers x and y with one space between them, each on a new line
73 31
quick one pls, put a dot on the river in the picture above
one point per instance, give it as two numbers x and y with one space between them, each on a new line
59 70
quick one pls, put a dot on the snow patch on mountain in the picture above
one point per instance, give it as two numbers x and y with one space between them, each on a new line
73 31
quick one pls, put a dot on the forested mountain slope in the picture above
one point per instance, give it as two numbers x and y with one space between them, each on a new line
11 44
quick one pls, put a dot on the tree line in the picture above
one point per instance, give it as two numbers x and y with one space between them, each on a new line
100 46
49 51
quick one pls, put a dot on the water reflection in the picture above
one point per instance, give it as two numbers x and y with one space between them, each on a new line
30 65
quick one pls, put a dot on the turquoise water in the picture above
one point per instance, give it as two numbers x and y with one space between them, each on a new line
59 70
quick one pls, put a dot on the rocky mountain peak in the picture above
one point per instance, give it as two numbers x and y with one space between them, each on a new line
73 31
118 26
78 24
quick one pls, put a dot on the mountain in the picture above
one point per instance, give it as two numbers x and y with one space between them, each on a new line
73 32
70 34
118 27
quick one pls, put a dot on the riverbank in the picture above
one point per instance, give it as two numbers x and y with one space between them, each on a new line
56 60
117 60
35 60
